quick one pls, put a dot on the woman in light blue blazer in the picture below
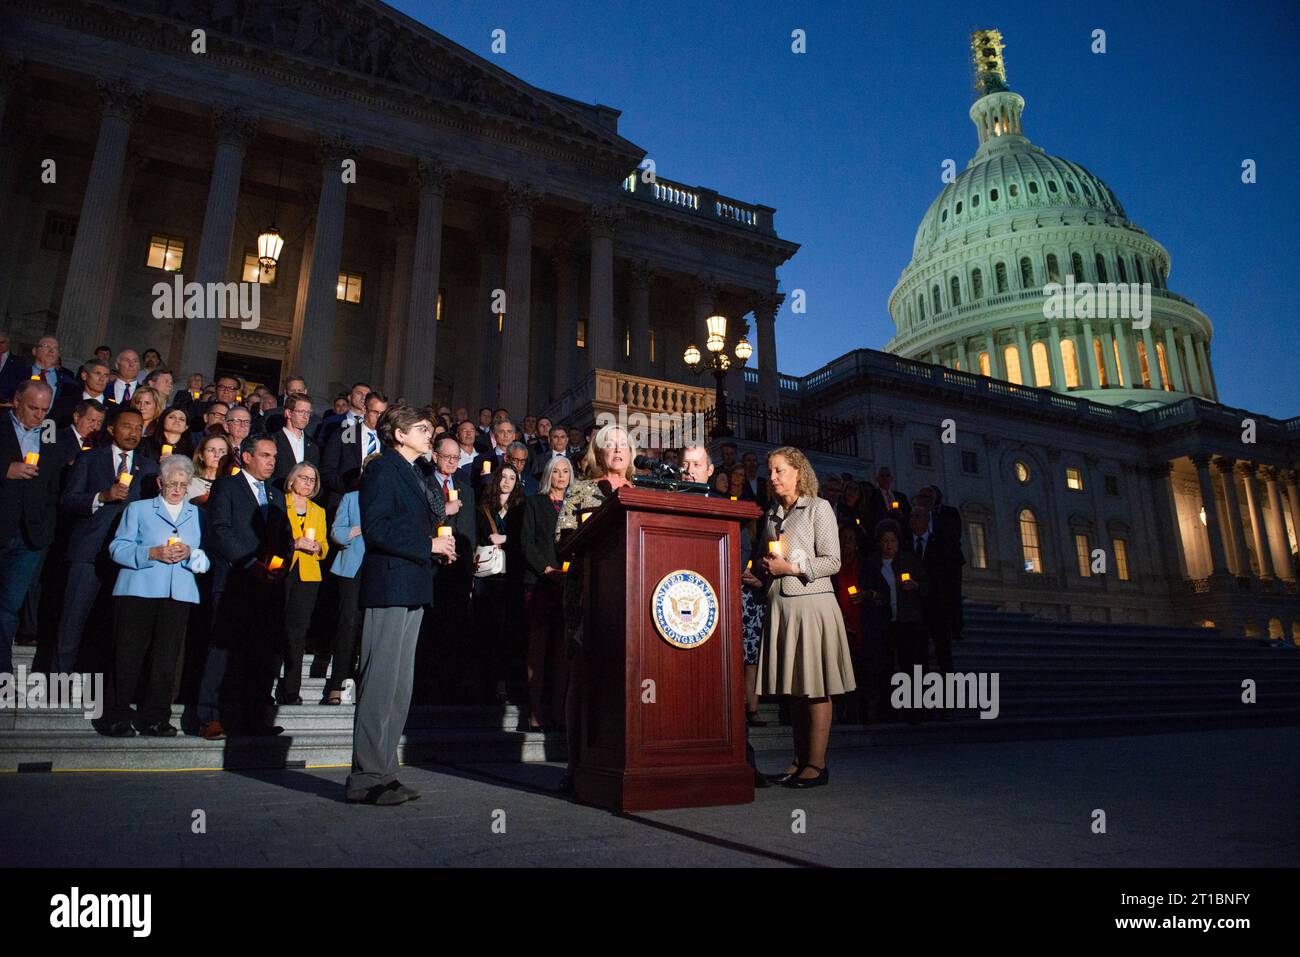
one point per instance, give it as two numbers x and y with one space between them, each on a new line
346 534
157 547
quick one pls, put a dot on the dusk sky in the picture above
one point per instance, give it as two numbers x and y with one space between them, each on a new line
848 139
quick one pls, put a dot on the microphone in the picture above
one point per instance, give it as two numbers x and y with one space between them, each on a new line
655 466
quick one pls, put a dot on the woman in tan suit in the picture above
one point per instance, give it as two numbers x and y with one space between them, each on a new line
805 650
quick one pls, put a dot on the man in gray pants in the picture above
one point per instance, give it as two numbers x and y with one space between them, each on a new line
399 516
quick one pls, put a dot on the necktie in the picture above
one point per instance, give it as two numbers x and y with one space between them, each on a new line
446 487
372 443
126 392
920 546
261 494
121 465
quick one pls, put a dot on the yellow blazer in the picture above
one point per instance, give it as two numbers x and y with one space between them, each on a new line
308 565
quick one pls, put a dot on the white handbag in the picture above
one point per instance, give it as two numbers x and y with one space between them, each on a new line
489 560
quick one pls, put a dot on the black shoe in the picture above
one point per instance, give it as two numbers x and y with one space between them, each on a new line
380 794
408 794
265 731
784 776
823 778
753 720
296 699
761 781
119 729
159 729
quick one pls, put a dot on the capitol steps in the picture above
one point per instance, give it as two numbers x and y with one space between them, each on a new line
1055 680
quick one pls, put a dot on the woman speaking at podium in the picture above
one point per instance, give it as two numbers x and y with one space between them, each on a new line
606 468
805 650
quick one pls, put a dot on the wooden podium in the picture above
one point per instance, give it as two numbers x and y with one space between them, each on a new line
662 726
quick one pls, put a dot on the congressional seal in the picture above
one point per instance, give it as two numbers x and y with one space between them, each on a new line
684 608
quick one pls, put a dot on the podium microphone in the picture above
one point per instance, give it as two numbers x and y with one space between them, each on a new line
656 467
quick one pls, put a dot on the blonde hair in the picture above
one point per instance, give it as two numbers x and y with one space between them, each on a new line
807 476
158 409
293 477
593 467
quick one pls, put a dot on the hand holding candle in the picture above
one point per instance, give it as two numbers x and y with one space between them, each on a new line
124 479
32 458
166 450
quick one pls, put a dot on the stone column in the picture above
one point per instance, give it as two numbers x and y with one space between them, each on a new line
769 373
1293 495
1277 525
1262 553
11 74
1153 360
420 339
706 294
1211 391
1089 358
402 219
1108 358
521 199
483 372
602 221
203 335
566 321
1131 381
1232 508
1193 374
1027 374
1171 359
1167 504
1057 365
1218 554
642 276
995 364
85 287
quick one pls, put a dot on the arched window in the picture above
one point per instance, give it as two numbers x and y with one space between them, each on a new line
1164 367
1042 365
1000 276
1011 362
943 217
935 301
1029 549
954 288
975 201
957 211
1119 268
1144 367
1026 273
984 364
993 195
1053 269
920 305
976 284
1076 266
1137 261
1070 363
1033 186
1101 268
1051 186
1101 362
1015 190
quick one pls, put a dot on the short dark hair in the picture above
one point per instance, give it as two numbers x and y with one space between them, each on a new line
376 394
158 371
886 525
122 410
293 398
485 408
95 361
154 351
87 405
360 385
445 437
107 349
249 445
227 375
401 416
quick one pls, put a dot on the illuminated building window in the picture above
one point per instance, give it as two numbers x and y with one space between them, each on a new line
979 557
1070 362
254 271
1042 365
166 252
1022 473
1029 549
1074 479
1121 558
348 288
1083 552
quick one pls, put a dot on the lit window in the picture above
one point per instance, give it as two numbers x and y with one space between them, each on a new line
979 556
1011 362
1119 366
582 333
1144 365
1042 367
627 343
254 271
1101 362
985 368
1022 473
1074 479
349 287
166 252
1164 367
1070 360
1085 558
1029 542
652 345
1121 558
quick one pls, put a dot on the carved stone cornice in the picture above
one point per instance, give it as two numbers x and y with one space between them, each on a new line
120 98
603 219
431 174
1245 469
333 148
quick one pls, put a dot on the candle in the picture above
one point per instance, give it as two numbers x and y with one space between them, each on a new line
749 565
36 378
194 393
452 495
311 534
735 498
905 577
564 567
857 521
167 450
275 563
125 478
239 398
444 531
173 540
85 448
776 547
853 590
893 504
31 458
584 516
487 468
234 470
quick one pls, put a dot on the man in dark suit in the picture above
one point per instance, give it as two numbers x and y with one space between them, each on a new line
28 500
340 462
101 484
557 447
224 392
5 355
934 552
248 531
292 443
885 502
125 378
483 438
540 445
755 489
893 616
946 525
446 639
94 380
355 413
503 433
45 365
517 455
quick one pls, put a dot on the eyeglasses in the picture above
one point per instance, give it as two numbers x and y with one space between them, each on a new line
174 485
449 456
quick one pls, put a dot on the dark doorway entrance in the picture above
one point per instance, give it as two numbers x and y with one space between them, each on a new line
252 369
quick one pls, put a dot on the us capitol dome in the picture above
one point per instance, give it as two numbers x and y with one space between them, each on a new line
1016 220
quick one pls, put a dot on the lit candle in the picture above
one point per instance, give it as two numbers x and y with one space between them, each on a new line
853 590
444 531
894 504
234 470
487 468
31 458
85 448
735 498
776 547
749 565
167 450
452 495
173 540
311 534
564 567
275 563
857 521
36 378
194 393
905 577
125 478
584 516
239 398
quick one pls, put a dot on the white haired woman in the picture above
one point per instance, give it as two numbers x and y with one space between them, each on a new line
805 650
302 583
157 547
606 467
543 594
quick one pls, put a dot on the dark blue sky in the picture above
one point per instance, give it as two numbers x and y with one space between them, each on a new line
847 140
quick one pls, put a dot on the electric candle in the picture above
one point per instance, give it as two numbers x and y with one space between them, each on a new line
125 478
32 458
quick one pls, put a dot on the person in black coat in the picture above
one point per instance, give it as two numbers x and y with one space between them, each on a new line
250 542
399 513
499 599
942 560
101 484
343 453
297 415
28 502
544 595
885 502
45 363
893 615
946 524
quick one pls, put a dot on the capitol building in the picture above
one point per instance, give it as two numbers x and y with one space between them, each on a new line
1057 426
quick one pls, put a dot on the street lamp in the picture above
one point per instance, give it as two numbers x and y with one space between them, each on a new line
717 362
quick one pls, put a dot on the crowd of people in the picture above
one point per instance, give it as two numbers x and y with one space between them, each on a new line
197 543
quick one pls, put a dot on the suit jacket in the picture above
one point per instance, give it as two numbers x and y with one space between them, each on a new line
284 460
398 515
18 370
349 551
28 507
91 474
110 391
240 532
476 469
878 512
540 460
482 440
463 527
809 527
145 524
63 404
538 535
911 604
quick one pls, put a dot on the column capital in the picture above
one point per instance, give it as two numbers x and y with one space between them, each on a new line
403 218
642 273
603 218
1271 473
431 174
233 126
333 148
706 286
120 98
1225 464
1246 469
766 304
522 197
1201 460
1291 476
